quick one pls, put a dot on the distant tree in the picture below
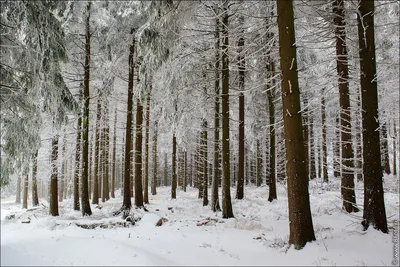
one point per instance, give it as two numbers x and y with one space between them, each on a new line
25 197
35 198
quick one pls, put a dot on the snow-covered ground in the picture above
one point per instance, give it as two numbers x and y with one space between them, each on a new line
257 235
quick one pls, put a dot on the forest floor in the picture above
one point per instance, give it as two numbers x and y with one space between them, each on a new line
194 235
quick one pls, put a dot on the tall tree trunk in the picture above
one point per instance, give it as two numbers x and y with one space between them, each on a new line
347 187
241 67
85 205
259 164
106 153
385 149
184 171
173 182
25 197
90 171
305 136
35 198
63 176
126 205
97 161
114 157
301 226
374 204
205 163
359 153
311 143
324 163
227 211
78 155
138 155
146 168
54 176
199 166
154 181
271 110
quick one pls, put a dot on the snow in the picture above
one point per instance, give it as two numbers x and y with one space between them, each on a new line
257 235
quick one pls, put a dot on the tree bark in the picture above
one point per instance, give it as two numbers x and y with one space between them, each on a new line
165 169
35 198
227 211
138 155
146 168
97 162
205 163
394 149
54 177
311 143
114 157
173 182
374 204
336 150
324 163
25 197
154 181
347 187
127 204
106 153
385 150
78 155
301 226
18 193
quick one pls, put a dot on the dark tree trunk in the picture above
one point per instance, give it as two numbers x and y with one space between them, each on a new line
184 171
127 204
258 164
199 167
301 226
385 149
63 176
97 161
146 168
25 197
227 211
54 177
394 149
324 163
85 205
138 155
305 136
106 139
78 155
374 204
311 143
114 159
271 111
173 182
154 181
347 187
205 163
35 198
241 67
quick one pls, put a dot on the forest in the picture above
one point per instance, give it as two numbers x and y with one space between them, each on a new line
239 132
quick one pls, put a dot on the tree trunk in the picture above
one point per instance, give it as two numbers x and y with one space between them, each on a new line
25 197
35 198
114 157
78 156
385 149
63 176
184 171
53 178
97 161
126 205
258 164
227 211
106 153
311 143
173 182
374 204
301 226
324 163
85 205
305 136
138 155
146 168
18 193
165 169
271 110
199 166
154 181
359 153
205 163
347 187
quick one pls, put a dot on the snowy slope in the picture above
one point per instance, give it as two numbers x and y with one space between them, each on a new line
257 235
